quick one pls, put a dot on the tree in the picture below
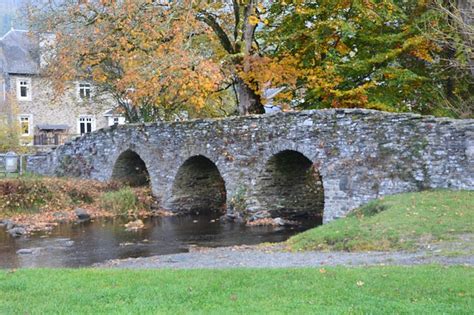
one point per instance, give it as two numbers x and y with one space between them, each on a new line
238 47
453 32
371 54
466 27
459 20
140 53
155 57
161 57
9 135
10 129
236 25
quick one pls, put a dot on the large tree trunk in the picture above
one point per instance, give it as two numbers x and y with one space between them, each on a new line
249 102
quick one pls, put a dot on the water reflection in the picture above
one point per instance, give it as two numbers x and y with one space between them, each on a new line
76 245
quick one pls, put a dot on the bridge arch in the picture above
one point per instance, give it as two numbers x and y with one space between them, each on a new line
129 168
290 186
198 187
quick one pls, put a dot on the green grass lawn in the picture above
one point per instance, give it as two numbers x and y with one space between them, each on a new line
375 290
395 222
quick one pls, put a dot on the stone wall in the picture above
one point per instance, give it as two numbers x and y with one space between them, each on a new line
353 156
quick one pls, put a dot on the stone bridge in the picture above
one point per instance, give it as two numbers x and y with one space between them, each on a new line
312 163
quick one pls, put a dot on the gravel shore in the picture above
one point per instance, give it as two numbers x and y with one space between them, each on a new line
273 257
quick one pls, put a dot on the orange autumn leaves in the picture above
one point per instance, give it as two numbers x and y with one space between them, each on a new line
199 55
136 51
161 55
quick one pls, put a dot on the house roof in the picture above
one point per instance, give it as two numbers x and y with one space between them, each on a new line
19 53
269 94
113 112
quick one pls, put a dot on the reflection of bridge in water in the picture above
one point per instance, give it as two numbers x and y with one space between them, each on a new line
313 163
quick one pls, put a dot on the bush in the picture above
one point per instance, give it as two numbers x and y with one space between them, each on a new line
78 196
120 202
30 193
18 195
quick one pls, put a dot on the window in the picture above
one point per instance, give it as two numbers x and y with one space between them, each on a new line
24 89
25 125
84 90
85 124
115 120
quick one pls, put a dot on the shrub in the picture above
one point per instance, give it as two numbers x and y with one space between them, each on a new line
31 193
78 196
20 195
121 202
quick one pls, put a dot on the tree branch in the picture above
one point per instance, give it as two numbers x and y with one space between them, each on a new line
237 18
211 21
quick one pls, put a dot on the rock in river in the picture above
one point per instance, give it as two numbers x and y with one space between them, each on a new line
134 225
82 215
17 231
28 251
8 224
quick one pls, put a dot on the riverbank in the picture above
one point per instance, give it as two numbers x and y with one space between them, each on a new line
381 290
433 275
407 229
32 204
408 221
275 256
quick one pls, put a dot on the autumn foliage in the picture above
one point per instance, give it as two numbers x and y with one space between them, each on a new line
212 58
142 55
370 54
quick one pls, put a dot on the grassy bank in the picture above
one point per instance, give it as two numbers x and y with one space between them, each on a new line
395 222
422 290
35 201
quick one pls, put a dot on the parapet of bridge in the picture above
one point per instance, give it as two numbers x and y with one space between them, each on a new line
312 163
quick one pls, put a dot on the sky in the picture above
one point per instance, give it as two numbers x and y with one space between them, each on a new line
9 15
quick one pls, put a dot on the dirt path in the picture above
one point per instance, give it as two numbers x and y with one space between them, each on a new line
273 257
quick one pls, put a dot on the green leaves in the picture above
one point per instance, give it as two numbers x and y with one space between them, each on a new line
372 54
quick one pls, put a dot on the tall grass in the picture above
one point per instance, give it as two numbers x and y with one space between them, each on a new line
120 202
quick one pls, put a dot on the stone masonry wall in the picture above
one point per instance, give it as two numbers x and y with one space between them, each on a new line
45 108
360 154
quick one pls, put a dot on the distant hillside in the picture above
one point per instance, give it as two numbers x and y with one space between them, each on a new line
9 15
